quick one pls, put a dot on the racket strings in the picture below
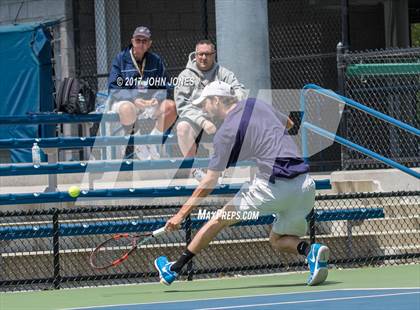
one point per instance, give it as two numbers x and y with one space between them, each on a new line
113 251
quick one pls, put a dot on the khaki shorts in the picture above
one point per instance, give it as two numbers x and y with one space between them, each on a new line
289 200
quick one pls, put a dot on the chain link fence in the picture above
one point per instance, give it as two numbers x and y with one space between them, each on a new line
303 38
99 37
48 249
389 82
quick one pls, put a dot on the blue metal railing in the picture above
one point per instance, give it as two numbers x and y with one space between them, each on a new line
74 142
363 108
108 166
345 142
54 118
123 193
116 193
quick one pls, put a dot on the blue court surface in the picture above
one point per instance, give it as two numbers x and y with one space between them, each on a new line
348 299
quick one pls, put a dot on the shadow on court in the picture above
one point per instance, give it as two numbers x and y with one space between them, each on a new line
326 283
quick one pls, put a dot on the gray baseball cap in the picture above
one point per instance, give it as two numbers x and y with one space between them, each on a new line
142 31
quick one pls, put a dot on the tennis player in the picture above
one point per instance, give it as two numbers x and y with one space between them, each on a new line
253 130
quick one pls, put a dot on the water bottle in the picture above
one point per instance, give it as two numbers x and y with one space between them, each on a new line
100 103
100 107
36 155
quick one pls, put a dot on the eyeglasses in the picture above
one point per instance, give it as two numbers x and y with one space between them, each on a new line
204 54
144 41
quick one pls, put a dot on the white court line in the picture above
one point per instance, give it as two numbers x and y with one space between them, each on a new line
242 296
306 301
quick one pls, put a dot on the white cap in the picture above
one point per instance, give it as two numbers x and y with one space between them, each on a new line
216 88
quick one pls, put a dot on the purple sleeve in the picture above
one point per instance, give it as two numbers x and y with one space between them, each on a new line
223 143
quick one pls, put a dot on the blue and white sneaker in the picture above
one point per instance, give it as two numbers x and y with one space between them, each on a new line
163 266
318 263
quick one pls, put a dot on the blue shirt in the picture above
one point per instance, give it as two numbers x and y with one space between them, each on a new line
253 130
125 81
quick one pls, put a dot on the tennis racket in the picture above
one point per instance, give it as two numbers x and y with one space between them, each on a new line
115 250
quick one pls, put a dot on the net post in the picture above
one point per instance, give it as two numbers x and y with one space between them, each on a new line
190 266
56 249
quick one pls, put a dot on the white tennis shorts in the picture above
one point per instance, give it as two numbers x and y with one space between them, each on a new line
290 200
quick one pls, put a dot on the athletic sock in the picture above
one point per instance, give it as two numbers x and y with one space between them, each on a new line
182 261
303 248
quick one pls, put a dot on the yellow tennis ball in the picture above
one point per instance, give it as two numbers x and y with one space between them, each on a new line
74 191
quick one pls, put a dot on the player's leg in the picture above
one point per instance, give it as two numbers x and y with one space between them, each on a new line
168 271
291 224
316 254
210 230
289 244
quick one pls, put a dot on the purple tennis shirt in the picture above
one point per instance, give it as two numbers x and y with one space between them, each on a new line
253 130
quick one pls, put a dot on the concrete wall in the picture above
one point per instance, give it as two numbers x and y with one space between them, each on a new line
375 180
32 10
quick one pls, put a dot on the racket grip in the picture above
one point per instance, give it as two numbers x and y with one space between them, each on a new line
158 232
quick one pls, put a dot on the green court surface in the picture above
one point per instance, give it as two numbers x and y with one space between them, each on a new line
383 277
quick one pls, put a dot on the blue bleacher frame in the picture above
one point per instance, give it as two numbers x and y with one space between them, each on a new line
133 226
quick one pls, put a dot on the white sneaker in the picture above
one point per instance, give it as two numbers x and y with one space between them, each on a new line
153 151
198 174
221 179
142 152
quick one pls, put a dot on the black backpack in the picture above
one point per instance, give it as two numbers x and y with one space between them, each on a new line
71 93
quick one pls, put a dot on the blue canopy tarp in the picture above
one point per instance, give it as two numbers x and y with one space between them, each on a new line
26 84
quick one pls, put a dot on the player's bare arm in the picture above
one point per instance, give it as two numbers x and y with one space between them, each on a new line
205 187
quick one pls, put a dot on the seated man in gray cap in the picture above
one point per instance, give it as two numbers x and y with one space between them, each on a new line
140 89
